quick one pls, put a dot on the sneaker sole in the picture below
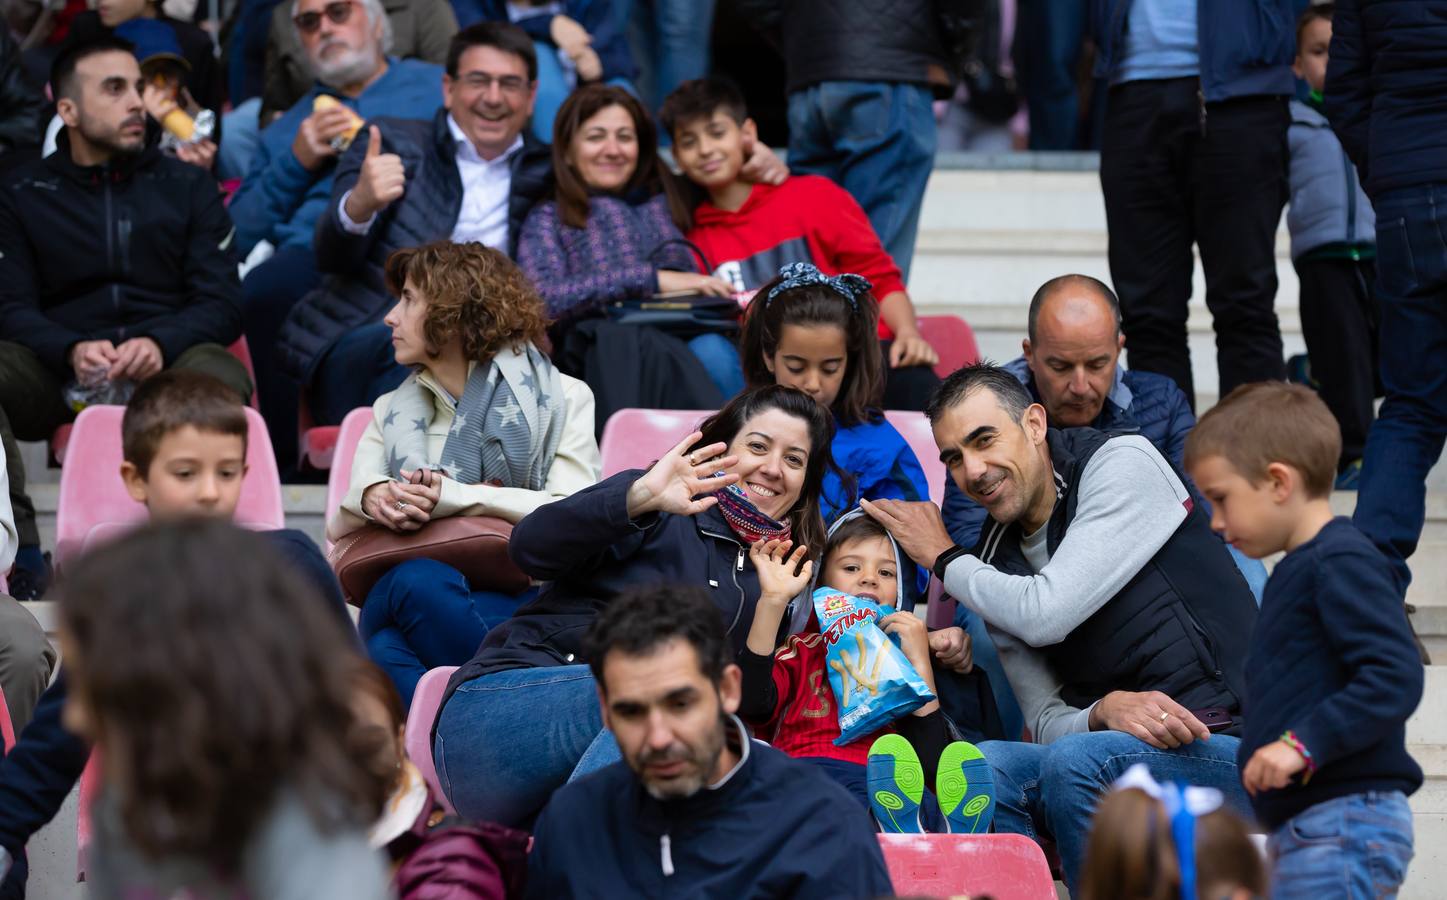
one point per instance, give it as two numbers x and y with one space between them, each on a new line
965 786
896 785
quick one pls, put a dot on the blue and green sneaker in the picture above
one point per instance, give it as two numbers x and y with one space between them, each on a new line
965 786
896 785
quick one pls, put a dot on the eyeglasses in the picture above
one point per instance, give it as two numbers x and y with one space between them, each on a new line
481 81
338 11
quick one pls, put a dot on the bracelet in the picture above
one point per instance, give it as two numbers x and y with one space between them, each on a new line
1290 739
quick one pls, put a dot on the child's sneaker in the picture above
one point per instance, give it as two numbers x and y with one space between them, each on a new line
965 786
896 785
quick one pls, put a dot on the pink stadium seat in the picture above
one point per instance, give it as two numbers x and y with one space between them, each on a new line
916 431
89 784
61 439
91 492
1000 866
349 435
7 728
953 340
634 438
417 737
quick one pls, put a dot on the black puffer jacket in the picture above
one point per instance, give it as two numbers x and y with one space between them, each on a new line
1385 85
138 248
1180 626
858 40
353 292
20 101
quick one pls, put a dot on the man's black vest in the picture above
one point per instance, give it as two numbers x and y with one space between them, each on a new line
1180 626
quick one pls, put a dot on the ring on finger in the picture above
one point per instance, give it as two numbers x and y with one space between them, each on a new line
401 505
1164 716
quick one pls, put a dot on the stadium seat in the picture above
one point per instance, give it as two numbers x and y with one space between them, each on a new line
7 728
91 492
916 431
1000 866
349 434
953 340
61 439
89 784
634 438
417 737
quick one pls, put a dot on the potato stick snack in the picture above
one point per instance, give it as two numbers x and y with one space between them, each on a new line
873 681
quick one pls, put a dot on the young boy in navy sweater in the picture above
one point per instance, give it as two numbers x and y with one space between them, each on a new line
1331 671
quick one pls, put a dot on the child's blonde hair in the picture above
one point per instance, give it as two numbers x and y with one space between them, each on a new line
1270 422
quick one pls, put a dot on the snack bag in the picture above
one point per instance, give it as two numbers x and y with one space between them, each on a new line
873 682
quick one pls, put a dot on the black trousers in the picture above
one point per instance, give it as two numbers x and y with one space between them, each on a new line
1172 179
1339 316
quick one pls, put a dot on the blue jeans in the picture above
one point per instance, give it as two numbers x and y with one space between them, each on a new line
1353 846
360 367
422 615
877 140
1406 440
1049 36
982 649
553 90
506 741
720 359
670 40
1050 789
242 130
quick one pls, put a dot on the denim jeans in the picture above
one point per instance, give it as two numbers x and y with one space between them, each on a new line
242 127
670 41
553 90
720 359
1049 36
984 654
360 367
422 615
1353 846
507 740
1406 440
1050 789
877 140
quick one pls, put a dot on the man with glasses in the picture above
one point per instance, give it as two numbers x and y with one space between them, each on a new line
470 174
290 181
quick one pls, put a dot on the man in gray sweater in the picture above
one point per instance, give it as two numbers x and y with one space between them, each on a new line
1120 618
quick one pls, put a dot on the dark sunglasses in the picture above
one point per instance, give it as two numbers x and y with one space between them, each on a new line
339 11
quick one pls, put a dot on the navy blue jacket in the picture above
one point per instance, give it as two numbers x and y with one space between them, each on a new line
353 292
1384 87
776 827
1332 660
591 552
1141 403
1246 46
46 761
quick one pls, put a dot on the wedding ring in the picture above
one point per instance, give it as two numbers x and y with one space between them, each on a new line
1164 717
691 460
401 505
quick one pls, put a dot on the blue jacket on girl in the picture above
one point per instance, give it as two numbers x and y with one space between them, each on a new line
884 466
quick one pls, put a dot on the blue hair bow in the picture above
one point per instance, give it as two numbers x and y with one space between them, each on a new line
802 274
1183 805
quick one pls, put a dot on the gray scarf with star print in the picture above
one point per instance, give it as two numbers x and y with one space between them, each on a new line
505 431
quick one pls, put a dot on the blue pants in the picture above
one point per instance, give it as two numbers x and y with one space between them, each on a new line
877 140
507 740
1406 440
1353 846
1049 36
360 367
720 359
242 128
854 778
553 90
670 41
1051 789
422 615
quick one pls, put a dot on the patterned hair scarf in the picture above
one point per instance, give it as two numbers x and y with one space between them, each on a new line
746 519
506 429
801 274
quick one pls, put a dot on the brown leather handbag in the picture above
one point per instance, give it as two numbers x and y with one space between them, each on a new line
476 546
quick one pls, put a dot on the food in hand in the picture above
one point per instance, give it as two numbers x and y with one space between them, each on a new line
344 140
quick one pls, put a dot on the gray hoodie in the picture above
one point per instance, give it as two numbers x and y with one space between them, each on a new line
907 574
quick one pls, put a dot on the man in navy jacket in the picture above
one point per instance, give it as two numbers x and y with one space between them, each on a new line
696 809
1194 152
1384 83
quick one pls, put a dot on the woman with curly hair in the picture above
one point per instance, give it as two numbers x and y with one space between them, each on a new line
484 426
216 689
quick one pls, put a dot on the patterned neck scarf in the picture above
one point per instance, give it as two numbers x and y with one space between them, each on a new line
746 520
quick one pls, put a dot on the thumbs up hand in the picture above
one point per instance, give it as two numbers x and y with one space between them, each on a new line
381 181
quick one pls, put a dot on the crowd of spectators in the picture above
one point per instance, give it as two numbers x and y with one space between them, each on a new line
492 225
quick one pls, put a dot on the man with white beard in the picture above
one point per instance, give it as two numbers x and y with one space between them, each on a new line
290 181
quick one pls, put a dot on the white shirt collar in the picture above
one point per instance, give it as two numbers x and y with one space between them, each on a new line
743 755
466 149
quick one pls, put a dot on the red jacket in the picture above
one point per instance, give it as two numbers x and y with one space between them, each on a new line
806 219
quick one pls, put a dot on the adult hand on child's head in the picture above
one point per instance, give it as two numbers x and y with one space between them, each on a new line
92 360
916 526
1149 715
137 359
761 164
910 349
679 476
1271 768
781 575
952 647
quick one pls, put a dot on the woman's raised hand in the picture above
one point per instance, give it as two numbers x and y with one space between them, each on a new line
673 483
781 577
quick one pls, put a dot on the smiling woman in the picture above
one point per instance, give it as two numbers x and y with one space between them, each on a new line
753 471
